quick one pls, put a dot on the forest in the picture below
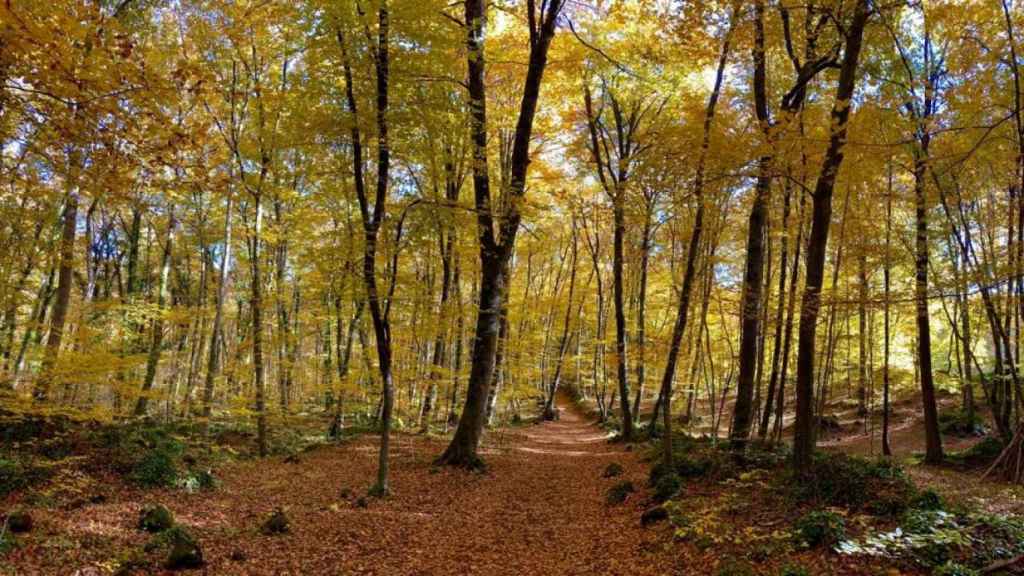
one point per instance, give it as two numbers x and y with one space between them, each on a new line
416 287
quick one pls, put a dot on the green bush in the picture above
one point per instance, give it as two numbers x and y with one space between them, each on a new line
981 454
666 487
928 500
958 422
146 454
877 486
794 570
612 470
184 551
954 569
618 493
821 528
19 473
195 481
158 466
734 567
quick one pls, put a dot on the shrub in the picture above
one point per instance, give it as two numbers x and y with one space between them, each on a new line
954 569
612 470
879 486
734 567
821 528
199 480
666 487
147 455
617 494
185 551
794 570
958 422
158 466
927 500
981 454
653 515
18 473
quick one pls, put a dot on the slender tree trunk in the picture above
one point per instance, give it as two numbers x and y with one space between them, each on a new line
692 253
804 437
886 272
933 441
63 301
618 297
641 316
217 333
257 330
155 349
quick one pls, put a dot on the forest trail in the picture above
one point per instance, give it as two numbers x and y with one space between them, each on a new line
539 509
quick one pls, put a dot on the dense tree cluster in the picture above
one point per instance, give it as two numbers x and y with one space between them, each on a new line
431 214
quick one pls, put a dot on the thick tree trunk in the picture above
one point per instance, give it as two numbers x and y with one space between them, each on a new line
495 249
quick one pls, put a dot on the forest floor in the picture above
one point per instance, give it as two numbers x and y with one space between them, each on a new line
539 509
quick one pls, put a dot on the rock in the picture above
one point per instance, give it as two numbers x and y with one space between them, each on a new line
277 523
238 556
19 522
656 514
612 470
185 551
155 518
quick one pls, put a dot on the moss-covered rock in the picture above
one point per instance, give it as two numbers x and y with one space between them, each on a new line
185 552
276 523
156 518
19 522
653 516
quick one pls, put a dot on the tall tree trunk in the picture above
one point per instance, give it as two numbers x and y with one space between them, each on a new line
63 301
156 347
618 297
257 330
495 250
933 441
641 315
217 333
887 273
693 250
804 437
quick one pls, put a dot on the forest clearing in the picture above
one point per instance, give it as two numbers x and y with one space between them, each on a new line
714 287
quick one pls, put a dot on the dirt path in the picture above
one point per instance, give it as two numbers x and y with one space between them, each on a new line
539 510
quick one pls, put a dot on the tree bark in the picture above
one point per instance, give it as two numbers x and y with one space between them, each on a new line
804 437
156 347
